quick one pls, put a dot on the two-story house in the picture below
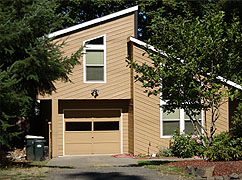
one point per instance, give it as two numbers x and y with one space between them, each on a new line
103 110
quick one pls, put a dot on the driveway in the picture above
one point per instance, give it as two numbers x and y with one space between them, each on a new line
102 167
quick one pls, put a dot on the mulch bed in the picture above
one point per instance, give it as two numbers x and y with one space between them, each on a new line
222 168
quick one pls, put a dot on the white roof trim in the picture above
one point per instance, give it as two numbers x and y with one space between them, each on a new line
222 79
231 83
94 21
141 43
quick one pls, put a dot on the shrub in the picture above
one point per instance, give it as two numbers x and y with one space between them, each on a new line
237 122
182 145
224 148
164 152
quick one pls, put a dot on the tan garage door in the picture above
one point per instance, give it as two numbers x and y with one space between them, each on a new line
92 132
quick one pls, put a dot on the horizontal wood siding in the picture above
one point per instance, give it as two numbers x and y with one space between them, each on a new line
222 124
60 134
117 84
125 133
146 115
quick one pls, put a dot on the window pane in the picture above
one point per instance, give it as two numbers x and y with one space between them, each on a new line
95 73
97 41
169 127
189 127
78 126
175 115
106 126
94 57
199 116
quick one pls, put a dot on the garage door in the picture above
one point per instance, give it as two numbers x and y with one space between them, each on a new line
92 132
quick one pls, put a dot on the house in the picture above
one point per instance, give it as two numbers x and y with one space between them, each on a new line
103 110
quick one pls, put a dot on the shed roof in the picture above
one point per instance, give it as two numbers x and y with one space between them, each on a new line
92 22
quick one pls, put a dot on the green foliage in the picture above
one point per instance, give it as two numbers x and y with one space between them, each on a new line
30 62
164 152
185 146
237 122
224 148
194 48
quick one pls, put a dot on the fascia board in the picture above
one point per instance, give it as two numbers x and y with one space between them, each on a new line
92 22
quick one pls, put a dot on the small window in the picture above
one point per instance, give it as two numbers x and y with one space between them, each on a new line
97 41
95 60
106 126
78 126
171 121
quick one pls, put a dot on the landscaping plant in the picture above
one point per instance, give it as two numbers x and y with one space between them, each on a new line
185 146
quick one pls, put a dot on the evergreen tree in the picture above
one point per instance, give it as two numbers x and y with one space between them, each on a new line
29 61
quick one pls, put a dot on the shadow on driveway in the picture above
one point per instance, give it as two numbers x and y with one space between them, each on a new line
103 176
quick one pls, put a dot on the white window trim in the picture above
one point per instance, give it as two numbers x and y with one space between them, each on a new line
181 121
94 47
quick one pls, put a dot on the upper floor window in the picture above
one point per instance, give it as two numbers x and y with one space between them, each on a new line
94 64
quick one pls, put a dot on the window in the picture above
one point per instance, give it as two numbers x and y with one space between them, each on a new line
78 126
95 60
176 120
106 126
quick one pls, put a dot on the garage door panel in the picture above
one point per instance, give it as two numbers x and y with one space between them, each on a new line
77 120
92 132
80 148
106 136
108 119
76 137
106 148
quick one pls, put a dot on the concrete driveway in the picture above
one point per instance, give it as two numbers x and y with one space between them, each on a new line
102 167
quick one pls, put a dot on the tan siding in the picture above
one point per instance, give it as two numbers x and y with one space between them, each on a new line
147 115
222 124
54 127
60 134
125 133
117 76
130 130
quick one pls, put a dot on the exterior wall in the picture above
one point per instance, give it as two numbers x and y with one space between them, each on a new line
117 74
146 115
222 124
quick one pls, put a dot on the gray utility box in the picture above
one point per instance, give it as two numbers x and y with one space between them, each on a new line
35 148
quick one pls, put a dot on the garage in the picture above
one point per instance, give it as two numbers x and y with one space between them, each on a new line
92 132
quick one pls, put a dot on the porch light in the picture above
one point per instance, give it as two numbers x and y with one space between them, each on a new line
94 92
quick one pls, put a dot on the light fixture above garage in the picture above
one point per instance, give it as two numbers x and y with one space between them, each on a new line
94 92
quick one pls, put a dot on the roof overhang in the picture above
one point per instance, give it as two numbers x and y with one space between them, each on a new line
94 21
150 47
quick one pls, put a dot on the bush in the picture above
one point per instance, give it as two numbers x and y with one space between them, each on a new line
164 152
185 146
237 122
224 148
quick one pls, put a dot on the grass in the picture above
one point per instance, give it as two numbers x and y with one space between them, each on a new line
165 169
24 170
